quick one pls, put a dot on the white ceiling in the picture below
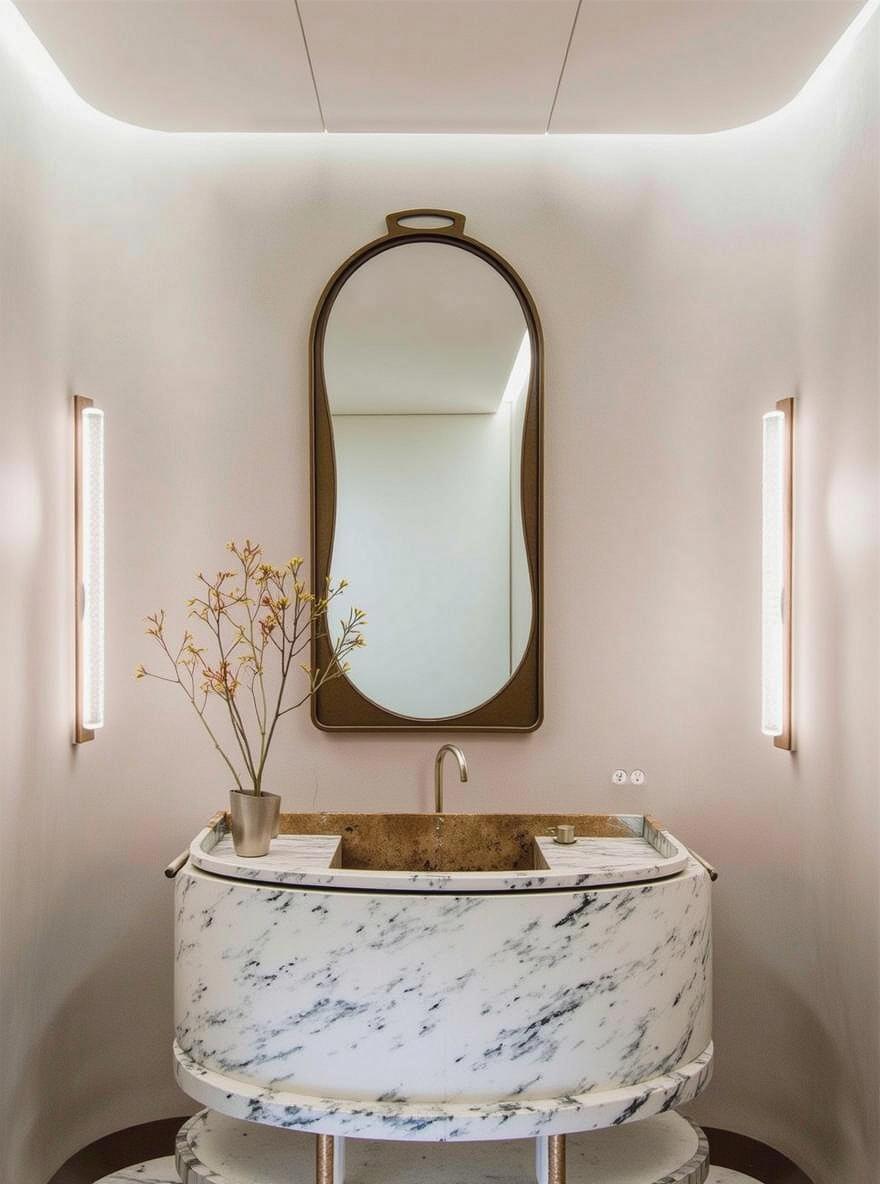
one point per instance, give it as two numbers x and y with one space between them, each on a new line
438 65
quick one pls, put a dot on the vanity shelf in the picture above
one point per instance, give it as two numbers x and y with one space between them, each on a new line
214 1149
448 852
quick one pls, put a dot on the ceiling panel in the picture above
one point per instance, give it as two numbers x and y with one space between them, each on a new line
437 65
691 65
197 65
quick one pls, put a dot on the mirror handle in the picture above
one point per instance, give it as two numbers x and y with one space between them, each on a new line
395 223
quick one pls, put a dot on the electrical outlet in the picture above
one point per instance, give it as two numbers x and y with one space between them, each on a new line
619 777
637 777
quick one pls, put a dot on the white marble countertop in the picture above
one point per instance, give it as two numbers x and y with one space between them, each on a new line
315 860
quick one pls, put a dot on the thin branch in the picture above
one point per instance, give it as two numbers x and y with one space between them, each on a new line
270 611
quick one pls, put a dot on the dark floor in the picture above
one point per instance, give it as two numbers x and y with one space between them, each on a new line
154 1139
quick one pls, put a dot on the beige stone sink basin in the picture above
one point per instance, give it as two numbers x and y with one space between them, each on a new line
444 842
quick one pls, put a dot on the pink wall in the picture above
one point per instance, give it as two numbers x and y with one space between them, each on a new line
685 283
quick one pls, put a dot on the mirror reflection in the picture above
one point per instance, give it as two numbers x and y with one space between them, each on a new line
427 366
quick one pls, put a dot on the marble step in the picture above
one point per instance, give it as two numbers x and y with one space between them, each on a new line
161 1171
213 1148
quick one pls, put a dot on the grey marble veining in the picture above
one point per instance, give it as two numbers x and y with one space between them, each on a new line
667 1149
309 860
610 861
448 1016
445 1122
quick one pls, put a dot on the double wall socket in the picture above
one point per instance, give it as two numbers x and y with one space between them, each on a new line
636 777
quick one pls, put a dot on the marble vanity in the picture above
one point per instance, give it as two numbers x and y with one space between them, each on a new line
444 978
506 988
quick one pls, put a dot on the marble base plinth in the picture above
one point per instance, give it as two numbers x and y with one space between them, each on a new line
212 1148
153 1171
161 1171
215 1149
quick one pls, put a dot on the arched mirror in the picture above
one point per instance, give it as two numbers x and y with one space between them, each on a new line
426 387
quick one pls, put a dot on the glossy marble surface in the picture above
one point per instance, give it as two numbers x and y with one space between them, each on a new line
211 1147
318 860
445 1121
443 1016
162 1171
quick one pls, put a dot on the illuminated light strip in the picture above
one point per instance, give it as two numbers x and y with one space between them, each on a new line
89 526
776 575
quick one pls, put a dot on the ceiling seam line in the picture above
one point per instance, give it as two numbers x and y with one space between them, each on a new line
577 13
302 30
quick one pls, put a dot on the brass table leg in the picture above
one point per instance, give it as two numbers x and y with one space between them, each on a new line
324 1159
556 1159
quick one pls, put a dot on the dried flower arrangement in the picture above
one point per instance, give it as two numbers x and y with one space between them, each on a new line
259 618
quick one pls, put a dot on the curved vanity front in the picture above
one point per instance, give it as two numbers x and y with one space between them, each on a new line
440 1013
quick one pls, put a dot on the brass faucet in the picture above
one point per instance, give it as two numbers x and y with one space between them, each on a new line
438 772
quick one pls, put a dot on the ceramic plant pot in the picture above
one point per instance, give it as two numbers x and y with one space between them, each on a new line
254 821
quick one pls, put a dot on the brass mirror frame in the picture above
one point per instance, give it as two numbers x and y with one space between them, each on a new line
339 706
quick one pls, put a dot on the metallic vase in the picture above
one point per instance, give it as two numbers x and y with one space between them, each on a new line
254 821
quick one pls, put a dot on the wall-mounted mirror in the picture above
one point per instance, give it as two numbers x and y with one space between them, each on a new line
426 376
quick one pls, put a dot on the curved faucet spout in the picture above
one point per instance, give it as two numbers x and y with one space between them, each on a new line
438 772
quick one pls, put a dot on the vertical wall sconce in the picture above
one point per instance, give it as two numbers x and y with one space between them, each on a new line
89 531
776 574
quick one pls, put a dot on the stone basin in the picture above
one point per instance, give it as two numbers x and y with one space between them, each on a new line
446 842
